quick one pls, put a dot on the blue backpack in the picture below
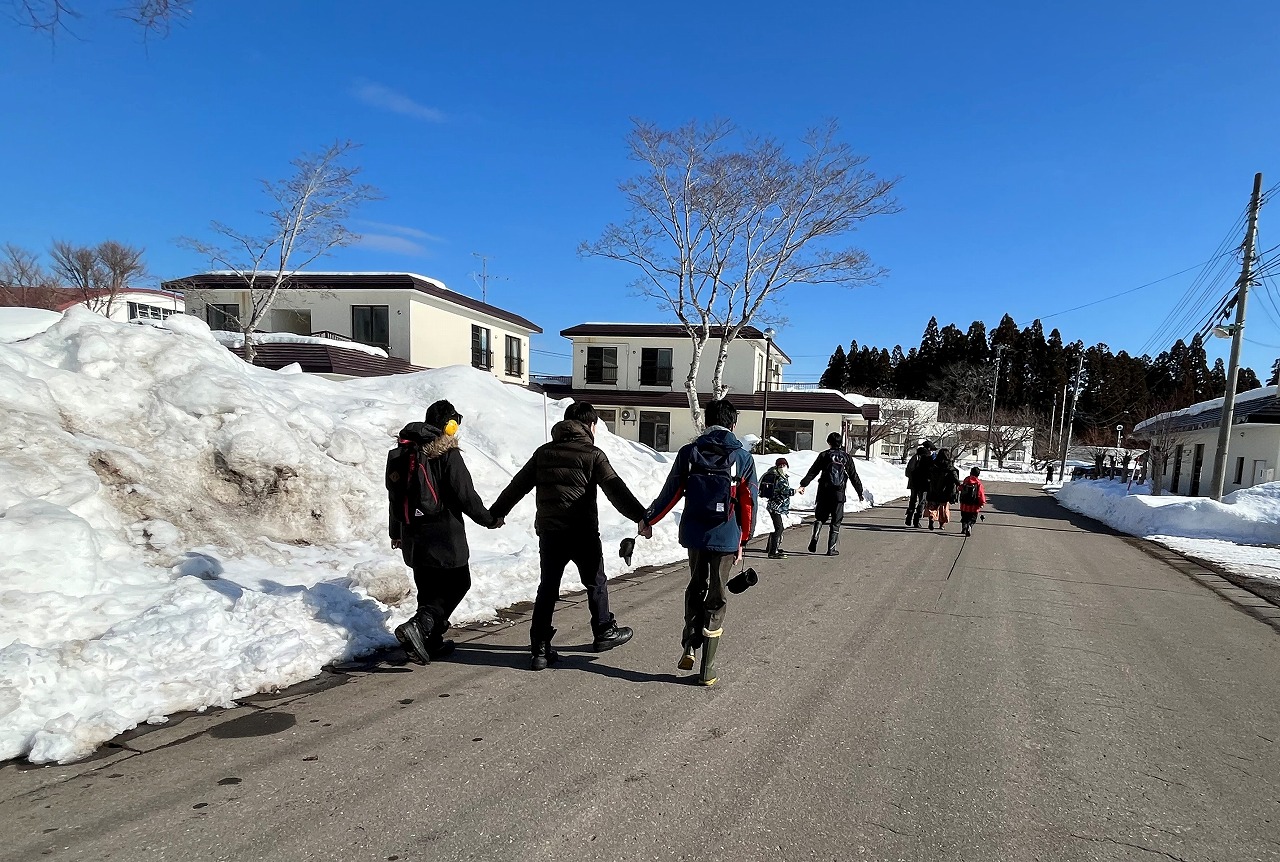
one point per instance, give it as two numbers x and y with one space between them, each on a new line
709 488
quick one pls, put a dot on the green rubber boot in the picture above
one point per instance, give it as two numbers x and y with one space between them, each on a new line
711 642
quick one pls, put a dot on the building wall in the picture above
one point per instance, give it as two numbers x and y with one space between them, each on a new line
120 305
744 367
422 329
1252 442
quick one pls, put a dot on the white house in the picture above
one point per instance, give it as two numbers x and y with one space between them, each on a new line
417 320
1189 438
634 374
131 303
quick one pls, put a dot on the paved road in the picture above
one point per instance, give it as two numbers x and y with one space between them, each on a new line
1043 690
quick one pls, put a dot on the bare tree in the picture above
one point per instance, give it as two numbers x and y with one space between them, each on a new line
24 281
1162 440
1012 430
900 417
97 273
308 220
719 231
52 17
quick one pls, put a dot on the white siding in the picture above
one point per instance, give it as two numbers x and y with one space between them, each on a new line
743 366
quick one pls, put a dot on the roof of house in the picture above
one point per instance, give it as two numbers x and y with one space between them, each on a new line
326 359
779 402
365 281
1259 407
660 330
78 296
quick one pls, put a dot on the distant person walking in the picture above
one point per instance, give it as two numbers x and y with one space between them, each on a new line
716 477
833 469
972 498
566 472
430 489
944 479
1048 479
776 488
918 471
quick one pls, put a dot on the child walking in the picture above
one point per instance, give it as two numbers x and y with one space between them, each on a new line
972 498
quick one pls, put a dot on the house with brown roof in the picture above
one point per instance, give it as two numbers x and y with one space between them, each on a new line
416 320
634 374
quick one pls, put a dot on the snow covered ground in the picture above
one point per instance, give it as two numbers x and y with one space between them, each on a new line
1242 533
182 529
19 323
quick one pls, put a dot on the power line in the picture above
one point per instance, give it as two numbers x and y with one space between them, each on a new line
1043 317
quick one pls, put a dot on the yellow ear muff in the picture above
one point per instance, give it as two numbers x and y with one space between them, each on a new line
451 427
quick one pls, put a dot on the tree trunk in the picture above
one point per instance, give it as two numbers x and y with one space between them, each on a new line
718 389
691 384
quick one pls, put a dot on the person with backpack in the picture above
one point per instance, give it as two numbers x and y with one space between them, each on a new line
918 471
566 473
972 498
944 479
833 469
429 489
777 490
716 477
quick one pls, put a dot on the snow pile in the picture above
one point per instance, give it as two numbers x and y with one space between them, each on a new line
1202 406
17 324
1241 532
182 529
236 339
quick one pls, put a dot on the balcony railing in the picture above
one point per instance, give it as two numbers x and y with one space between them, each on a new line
655 376
332 336
515 366
482 359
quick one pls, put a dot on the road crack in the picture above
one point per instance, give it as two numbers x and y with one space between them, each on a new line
1118 843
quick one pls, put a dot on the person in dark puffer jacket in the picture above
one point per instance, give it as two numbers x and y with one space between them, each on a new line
566 473
437 551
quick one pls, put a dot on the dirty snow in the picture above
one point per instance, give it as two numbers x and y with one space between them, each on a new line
182 529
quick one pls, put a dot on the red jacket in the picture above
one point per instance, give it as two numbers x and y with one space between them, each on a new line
968 508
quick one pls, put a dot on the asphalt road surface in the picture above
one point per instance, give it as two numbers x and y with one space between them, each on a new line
1042 690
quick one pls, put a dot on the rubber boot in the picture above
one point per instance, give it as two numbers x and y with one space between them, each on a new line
413 635
813 543
707 676
692 641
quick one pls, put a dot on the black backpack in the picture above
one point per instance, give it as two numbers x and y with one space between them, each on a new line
969 493
766 483
411 485
709 491
838 469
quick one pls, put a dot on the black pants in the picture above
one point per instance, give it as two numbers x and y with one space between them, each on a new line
705 599
775 538
556 552
833 511
439 593
915 506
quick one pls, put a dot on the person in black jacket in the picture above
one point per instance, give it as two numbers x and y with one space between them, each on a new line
437 551
944 482
918 471
566 473
833 468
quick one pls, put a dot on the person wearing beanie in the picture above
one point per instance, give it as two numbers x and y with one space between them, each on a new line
833 469
776 488
918 472
433 542
566 473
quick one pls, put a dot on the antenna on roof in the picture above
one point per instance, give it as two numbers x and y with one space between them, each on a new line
482 278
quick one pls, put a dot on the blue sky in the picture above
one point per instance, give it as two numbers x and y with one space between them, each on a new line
1050 154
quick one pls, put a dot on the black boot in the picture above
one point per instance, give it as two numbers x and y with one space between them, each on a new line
771 550
614 636
413 635
543 654
813 543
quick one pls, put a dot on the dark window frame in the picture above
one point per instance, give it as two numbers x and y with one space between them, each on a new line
652 371
1239 471
514 359
787 431
656 426
154 312
605 375
609 416
220 318
371 336
481 347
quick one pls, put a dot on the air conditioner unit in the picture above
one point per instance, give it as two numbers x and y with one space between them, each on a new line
628 415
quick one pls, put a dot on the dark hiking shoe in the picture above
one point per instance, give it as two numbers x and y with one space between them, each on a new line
440 649
813 545
543 655
413 639
614 636
916 522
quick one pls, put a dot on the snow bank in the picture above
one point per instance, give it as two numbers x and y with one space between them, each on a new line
17 324
1234 532
182 529
236 339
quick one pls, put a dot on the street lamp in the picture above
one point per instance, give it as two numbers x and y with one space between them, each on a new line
991 420
764 414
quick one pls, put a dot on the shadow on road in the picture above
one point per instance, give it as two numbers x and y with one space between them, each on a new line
572 657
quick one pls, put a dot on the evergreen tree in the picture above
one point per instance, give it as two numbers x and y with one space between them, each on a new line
977 352
930 344
833 377
1274 379
1246 380
1217 380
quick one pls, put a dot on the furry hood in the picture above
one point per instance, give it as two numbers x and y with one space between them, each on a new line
433 441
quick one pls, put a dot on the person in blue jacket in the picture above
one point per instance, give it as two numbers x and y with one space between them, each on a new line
716 477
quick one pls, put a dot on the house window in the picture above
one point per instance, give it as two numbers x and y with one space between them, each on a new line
1197 467
609 418
141 311
481 348
655 430
1177 469
1239 471
655 366
602 366
369 325
294 320
222 317
795 434
515 357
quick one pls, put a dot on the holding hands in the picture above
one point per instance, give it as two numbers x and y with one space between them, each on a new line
645 529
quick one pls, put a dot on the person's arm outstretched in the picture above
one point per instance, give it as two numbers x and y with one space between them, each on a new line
521 483
616 490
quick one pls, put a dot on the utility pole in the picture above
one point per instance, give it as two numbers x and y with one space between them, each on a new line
991 419
1237 337
1053 421
1065 437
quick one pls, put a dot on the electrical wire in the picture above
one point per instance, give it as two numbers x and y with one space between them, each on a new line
1043 317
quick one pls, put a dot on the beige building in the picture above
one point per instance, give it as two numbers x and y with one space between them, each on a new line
634 374
413 318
